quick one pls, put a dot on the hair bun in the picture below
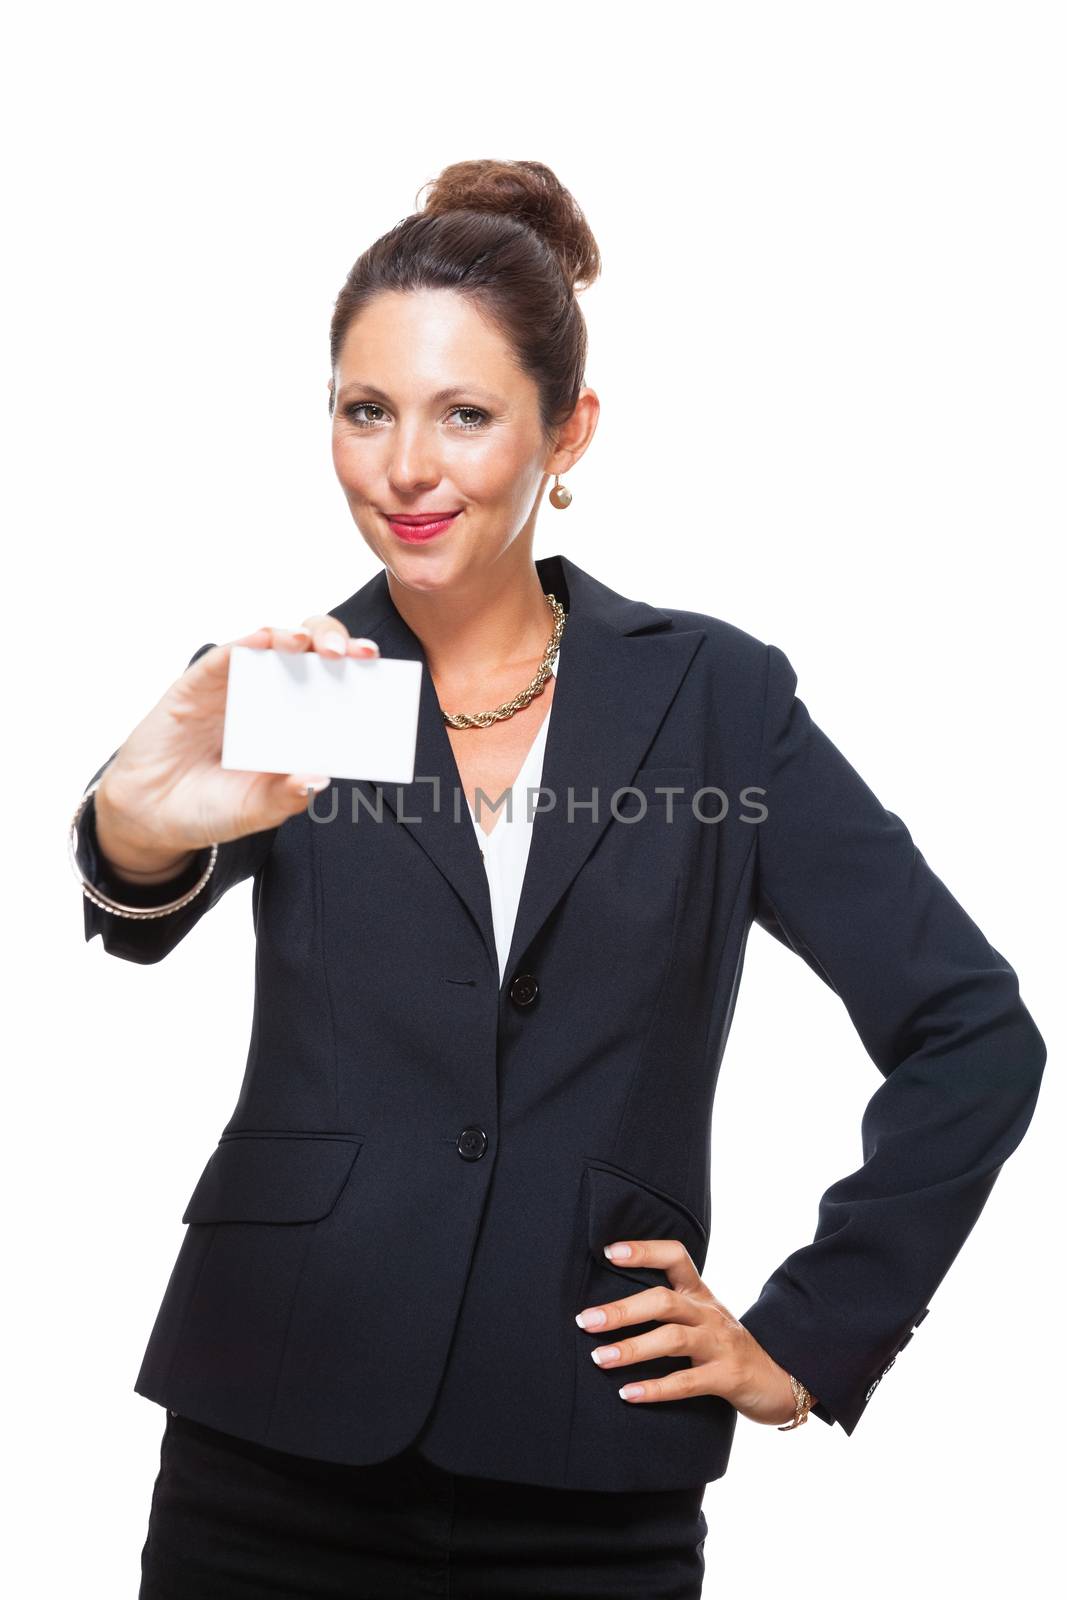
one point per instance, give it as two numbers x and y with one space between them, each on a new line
531 193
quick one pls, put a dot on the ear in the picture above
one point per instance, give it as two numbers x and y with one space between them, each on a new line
329 386
574 436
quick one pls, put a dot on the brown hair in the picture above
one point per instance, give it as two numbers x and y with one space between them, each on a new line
512 238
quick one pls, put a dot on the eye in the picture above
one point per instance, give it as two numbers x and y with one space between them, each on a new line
361 405
471 411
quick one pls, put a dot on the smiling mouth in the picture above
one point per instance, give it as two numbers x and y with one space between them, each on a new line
422 528
422 519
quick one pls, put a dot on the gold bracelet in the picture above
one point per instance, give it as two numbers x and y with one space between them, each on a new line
804 1404
116 907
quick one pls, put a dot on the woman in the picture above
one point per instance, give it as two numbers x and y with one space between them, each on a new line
437 1325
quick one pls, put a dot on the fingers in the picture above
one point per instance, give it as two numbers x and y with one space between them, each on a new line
285 795
669 1255
322 633
650 1305
329 636
683 1333
680 1385
303 786
672 1339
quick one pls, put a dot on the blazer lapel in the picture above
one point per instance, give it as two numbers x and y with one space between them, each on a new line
432 807
621 663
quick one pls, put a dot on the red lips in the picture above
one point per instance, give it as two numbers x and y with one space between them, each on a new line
418 529
424 516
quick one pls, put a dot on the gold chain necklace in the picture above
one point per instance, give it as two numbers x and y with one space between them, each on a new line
483 719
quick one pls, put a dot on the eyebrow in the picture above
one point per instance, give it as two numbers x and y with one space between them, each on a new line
451 393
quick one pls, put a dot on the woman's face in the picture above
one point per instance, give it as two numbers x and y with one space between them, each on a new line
432 414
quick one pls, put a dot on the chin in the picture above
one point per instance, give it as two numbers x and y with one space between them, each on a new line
426 571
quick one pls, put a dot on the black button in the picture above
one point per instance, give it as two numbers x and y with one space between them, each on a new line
472 1143
523 989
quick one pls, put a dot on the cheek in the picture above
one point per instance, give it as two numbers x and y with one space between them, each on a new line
351 465
495 474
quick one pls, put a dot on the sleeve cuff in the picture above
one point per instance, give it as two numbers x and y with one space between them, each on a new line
842 1396
139 895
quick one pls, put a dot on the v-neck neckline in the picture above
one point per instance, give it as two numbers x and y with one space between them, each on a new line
516 783
538 739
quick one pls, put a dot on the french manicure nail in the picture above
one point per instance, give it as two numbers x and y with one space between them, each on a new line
605 1352
591 1319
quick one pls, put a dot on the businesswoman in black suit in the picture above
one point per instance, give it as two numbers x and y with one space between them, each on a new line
437 1326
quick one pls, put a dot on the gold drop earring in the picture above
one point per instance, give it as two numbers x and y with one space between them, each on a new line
560 495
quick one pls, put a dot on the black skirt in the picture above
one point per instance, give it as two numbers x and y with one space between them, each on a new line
233 1520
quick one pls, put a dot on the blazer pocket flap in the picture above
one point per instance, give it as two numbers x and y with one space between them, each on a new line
622 1206
272 1177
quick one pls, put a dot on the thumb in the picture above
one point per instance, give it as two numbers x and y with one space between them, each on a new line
299 783
284 795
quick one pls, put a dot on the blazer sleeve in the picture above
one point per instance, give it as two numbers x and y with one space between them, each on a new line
147 940
840 882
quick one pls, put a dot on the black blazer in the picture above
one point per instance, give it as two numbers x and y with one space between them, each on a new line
407 1207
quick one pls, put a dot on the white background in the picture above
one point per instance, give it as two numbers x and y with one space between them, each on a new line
829 346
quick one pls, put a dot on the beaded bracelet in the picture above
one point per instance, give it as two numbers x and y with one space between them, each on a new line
99 898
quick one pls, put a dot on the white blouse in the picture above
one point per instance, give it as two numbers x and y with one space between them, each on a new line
505 849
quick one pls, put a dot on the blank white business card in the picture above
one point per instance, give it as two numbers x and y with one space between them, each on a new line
343 718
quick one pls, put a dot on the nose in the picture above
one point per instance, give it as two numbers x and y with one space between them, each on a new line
414 461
